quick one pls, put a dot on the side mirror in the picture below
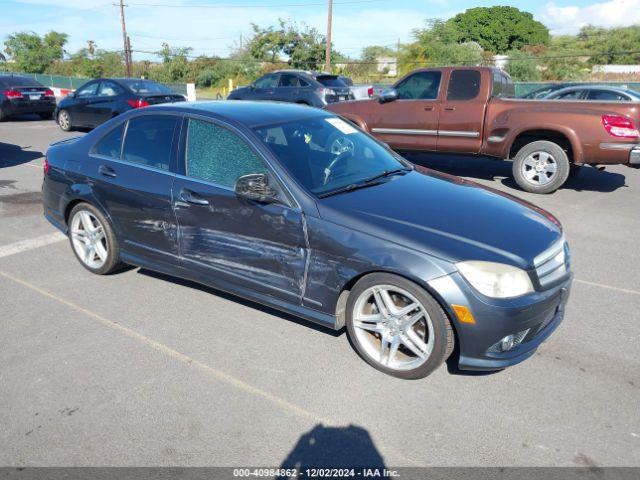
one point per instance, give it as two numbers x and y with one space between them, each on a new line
255 186
252 86
71 94
388 95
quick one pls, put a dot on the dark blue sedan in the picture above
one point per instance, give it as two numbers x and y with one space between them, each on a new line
295 208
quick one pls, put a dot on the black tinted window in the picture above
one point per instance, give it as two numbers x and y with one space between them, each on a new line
288 80
464 85
606 95
218 155
331 81
148 140
111 143
420 86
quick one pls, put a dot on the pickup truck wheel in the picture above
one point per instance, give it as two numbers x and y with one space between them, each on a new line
541 167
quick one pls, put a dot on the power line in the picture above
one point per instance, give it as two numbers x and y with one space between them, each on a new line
252 5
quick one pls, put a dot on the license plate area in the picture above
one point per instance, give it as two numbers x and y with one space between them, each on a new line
35 96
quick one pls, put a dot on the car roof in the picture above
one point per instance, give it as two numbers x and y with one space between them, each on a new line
251 114
610 88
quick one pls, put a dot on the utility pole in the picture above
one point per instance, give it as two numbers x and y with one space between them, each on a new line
125 41
327 55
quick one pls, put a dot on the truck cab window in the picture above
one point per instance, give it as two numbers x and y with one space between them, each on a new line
420 86
464 85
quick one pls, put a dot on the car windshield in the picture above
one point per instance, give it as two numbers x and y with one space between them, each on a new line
331 81
327 154
145 87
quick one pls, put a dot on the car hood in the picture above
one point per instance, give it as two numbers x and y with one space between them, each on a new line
448 217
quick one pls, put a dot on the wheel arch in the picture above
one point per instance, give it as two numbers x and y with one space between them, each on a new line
562 136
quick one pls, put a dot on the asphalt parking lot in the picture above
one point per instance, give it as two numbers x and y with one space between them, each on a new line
140 369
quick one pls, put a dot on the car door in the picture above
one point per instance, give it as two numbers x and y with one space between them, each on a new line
257 246
132 176
288 89
83 97
462 114
101 107
411 121
265 88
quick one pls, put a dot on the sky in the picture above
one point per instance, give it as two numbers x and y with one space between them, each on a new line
216 29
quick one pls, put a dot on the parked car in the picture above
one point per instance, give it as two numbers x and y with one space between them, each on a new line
295 208
470 110
547 89
21 95
359 91
309 88
101 99
596 93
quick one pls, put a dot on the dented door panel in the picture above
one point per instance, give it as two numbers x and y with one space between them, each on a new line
259 246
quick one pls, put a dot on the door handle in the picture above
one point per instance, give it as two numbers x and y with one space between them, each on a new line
191 197
107 171
428 109
449 109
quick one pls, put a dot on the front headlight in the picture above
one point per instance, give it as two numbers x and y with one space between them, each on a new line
496 280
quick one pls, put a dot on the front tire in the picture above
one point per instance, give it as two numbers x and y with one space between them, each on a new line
64 120
541 167
92 240
397 327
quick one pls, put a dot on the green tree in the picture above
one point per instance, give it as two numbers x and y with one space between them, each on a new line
32 53
522 66
499 29
373 52
300 46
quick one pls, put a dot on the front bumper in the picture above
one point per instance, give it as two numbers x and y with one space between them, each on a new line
540 313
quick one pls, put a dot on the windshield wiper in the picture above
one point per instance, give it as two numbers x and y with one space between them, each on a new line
369 182
388 173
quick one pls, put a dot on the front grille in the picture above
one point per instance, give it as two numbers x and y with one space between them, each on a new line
552 265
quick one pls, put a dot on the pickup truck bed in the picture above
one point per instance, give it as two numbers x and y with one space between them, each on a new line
469 110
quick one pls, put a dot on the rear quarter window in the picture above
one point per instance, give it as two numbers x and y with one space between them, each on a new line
111 144
330 81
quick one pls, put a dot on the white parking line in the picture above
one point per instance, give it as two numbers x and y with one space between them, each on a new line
30 244
608 287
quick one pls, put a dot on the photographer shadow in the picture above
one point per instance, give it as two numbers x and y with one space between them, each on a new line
334 447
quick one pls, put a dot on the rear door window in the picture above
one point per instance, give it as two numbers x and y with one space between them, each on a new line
420 86
288 80
572 95
464 85
111 144
149 139
109 89
217 155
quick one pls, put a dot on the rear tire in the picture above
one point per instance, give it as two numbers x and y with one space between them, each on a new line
93 241
397 327
64 121
541 167
3 116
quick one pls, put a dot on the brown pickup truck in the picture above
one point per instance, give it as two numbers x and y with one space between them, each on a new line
472 111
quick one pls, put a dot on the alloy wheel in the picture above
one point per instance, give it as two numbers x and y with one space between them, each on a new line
539 168
64 120
393 327
89 239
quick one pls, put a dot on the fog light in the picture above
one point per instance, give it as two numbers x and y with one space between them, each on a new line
509 342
